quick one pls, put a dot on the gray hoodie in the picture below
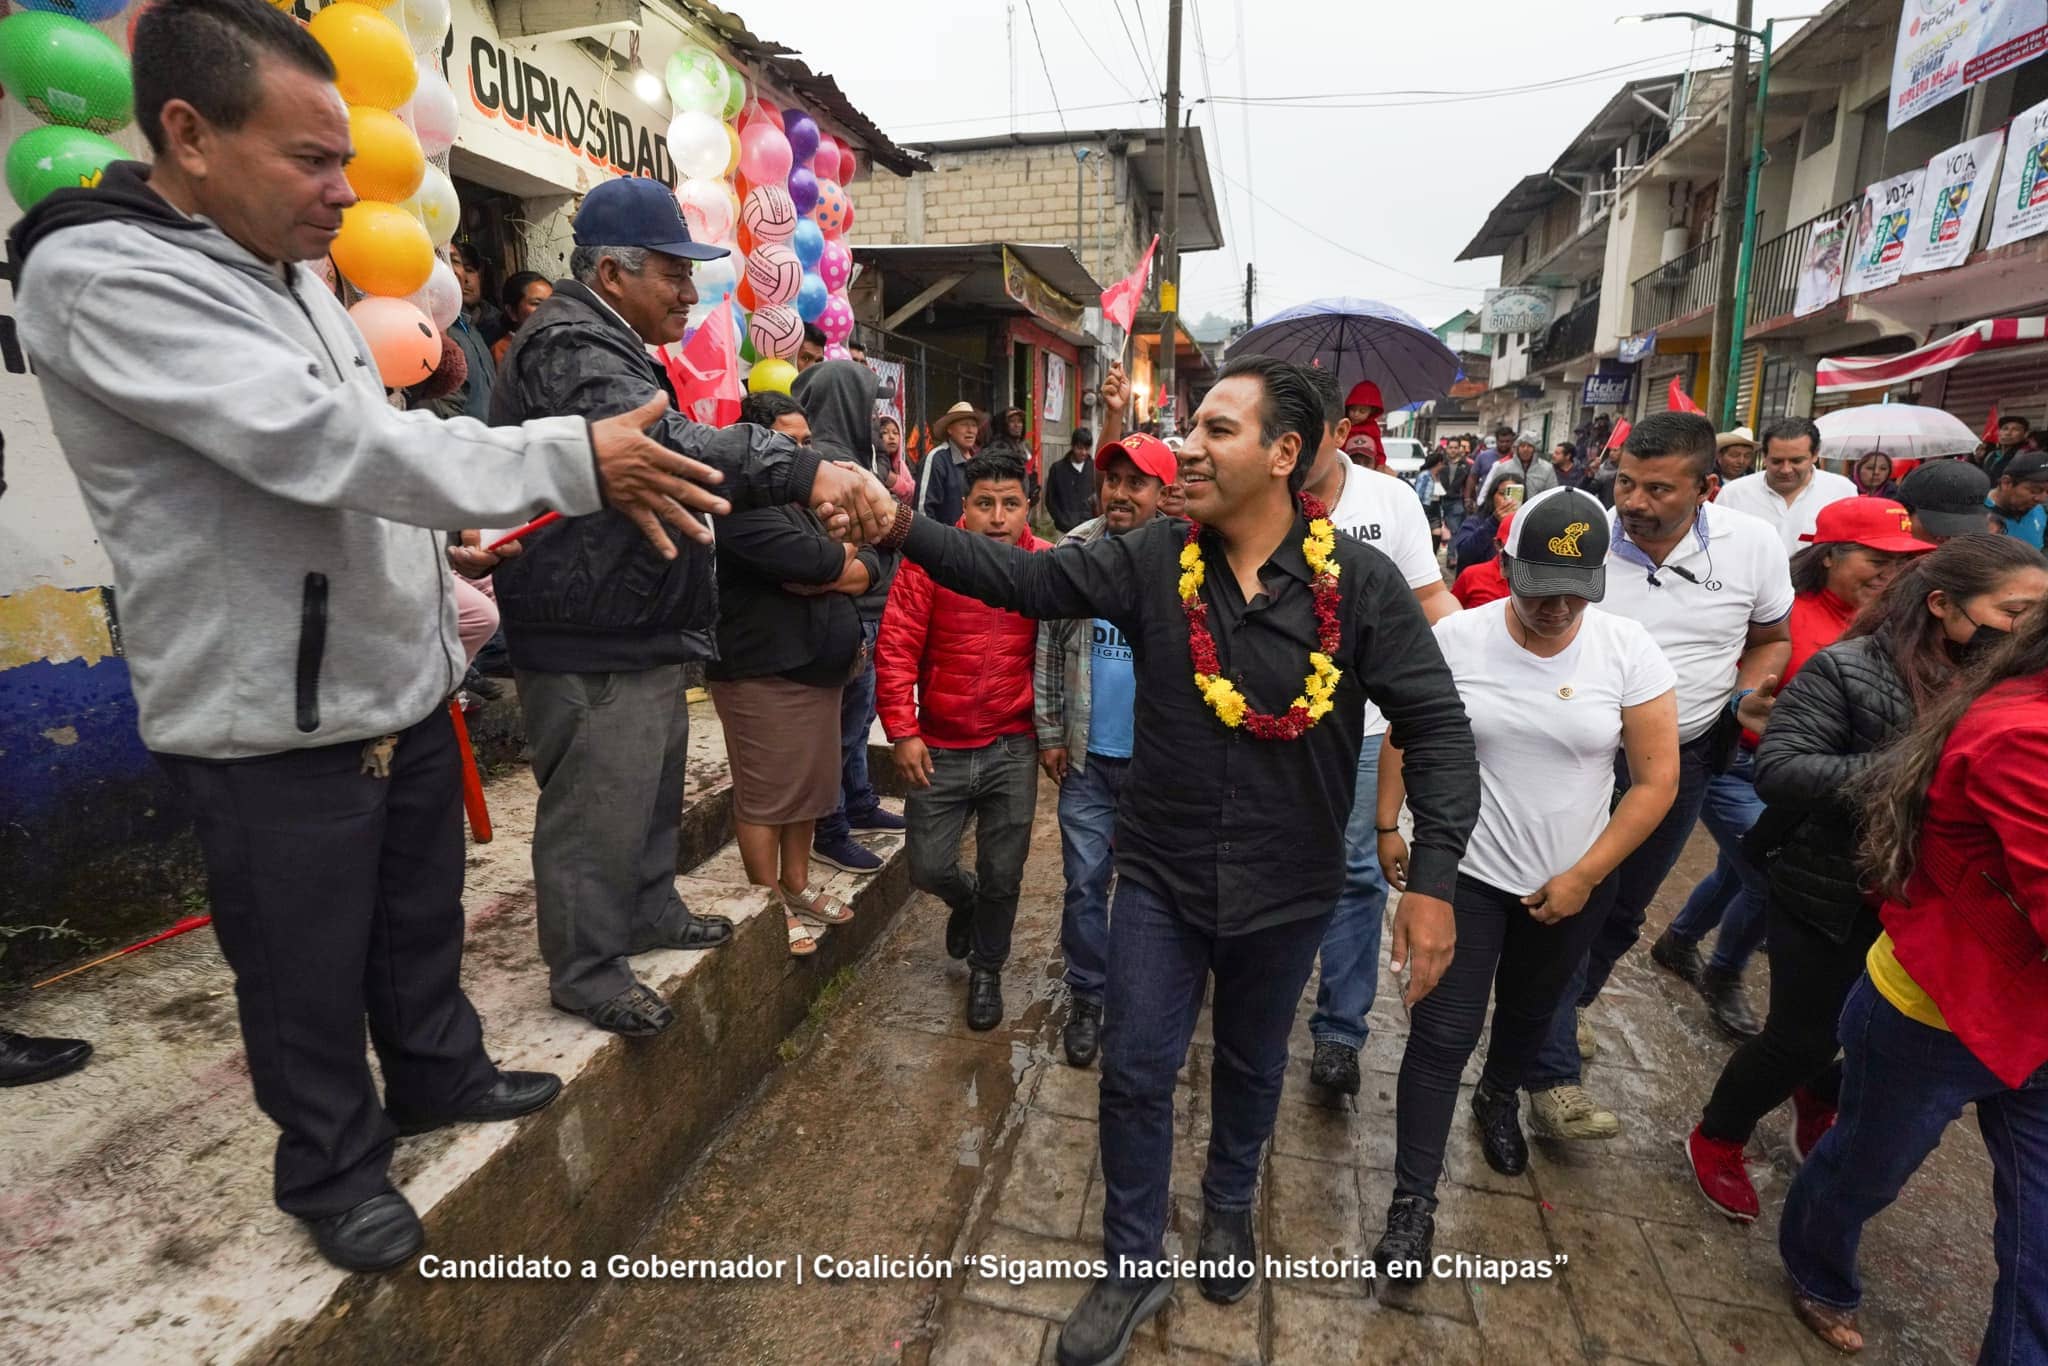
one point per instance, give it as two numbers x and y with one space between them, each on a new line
266 510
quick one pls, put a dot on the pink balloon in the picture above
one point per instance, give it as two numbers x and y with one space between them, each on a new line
836 322
825 161
777 332
764 154
775 273
837 352
835 267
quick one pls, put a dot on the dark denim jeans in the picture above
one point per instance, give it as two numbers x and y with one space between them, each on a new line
1349 976
857 797
1732 896
1088 801
1636 882
1158 966
997 785
1903 1083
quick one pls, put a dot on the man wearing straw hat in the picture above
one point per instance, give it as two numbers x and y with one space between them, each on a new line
1734 455
941 483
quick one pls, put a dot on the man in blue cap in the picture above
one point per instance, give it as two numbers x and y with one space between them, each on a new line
600 626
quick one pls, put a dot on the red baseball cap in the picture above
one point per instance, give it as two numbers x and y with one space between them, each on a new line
1879 523
1151 455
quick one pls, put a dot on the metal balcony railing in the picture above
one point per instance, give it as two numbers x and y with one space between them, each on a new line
1569 337
1675 288
1774 276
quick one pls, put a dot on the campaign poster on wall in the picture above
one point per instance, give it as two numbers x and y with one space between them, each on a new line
2022 202
1877 248
1947 46
1820 269
1951 204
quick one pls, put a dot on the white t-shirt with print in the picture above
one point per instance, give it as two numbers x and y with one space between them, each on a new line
1384 513
1547 731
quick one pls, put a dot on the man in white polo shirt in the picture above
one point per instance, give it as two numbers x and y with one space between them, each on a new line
1714 589
1791 488
1384 513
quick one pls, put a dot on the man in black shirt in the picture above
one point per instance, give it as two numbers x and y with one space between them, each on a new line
1070 485
1230 847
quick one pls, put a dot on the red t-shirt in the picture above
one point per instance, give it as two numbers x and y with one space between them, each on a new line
1818 620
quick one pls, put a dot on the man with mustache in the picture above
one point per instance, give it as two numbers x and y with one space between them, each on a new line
1083 702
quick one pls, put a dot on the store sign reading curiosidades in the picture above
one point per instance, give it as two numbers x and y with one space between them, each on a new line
531 100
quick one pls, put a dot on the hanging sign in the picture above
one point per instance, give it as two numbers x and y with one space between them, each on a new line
1877 250
1947 46
2022 202
1951 204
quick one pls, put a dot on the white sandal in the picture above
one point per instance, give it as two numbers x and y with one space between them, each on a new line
816 908
801 942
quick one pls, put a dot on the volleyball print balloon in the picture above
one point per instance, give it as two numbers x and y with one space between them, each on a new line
830 211
776 331
775 273
769 213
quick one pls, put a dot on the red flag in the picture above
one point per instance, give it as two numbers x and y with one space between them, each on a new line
1991 426
706 373
1681 401
1618 435
1120 300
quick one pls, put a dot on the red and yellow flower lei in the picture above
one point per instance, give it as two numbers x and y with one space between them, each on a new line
1320 550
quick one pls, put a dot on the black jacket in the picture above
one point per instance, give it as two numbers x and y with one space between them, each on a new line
1847 703
838 399
1070 494
589 595
765 630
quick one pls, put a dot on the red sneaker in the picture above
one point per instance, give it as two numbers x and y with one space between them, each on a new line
1811 1117
1717 1167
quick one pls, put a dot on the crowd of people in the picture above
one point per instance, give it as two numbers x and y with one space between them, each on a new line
1237 659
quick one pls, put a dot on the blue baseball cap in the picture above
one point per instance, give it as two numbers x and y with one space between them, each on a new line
634 211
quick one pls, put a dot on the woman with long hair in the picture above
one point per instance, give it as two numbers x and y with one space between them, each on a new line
1851 699
1873 476
1952 1008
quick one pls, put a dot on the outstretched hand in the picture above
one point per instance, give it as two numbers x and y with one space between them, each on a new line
851 502
654 486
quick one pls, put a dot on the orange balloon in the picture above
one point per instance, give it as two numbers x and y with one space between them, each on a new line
743 238
403 342
388 163
373 63
382 249
744 292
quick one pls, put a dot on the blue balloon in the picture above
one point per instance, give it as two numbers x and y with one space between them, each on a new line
811 297
90 11
803 189
808 242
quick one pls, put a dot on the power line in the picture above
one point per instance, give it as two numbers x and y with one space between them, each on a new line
1026 114
1244 118
1094 52
1348 250
1144 69
1138 8
1044 65
1215 131
1383 99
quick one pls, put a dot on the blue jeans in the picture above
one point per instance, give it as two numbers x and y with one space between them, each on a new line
1636 883
1158 964
857 797
1087 856
1349 976
1731 896
1903 1083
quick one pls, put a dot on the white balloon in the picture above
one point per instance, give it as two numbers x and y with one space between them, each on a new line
717 277
440 298
435 205
425 22
430 113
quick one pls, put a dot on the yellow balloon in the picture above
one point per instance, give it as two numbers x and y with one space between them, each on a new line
732 160
383 249
388 163
373 63
777 375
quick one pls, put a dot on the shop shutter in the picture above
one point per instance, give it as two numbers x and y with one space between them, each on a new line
1745 387
1657 382
2017 384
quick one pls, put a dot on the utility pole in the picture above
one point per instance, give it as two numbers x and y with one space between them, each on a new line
1169 268
1251 276
1725 358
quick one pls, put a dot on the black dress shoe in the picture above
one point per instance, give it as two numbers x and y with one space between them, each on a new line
984 998
1678 956
1404 1247
376 1235
1227 1254
959 933
1083 1035
635 1012
1725 1002
1499 1116
513 1094
1098 1331
1335 1067
25 1059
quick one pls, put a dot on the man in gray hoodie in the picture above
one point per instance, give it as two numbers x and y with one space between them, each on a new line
285 609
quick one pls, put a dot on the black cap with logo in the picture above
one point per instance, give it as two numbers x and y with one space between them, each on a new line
1557 547
1947 496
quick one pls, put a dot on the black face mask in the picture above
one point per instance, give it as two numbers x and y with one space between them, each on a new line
1987 639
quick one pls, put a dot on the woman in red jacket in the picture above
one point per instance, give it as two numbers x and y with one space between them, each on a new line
1953 1006
953 691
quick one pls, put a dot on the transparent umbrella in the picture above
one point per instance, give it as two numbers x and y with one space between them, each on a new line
1901 430
1359 339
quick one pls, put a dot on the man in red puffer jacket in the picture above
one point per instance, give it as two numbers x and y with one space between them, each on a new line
953 690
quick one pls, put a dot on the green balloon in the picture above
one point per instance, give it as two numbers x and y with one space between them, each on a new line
735 95
66 71
54 157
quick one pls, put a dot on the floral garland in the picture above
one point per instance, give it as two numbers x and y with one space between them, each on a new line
1320 550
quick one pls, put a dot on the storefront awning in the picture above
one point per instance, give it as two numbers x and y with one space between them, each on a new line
1838 373
1045 280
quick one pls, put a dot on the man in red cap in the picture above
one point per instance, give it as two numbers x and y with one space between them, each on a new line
1363 407
1085 696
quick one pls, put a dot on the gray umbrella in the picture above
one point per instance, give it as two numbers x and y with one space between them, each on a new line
1359 339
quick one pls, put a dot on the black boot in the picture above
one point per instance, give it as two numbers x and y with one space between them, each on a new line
1723 990
1678 956
376 1235
984 998
25 1059
1083 1034
1411 1229
1098 1331
1229 1255
1335 1067
1499 1116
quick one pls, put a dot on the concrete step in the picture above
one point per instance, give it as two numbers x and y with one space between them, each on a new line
136 1222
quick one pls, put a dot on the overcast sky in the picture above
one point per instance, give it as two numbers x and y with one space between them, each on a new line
1406 184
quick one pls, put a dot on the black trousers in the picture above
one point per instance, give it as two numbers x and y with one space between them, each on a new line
337 896
1524 966
1811 976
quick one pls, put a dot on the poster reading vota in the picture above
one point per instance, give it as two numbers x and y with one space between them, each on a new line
1947 46
1877 248
1951 204
2021 209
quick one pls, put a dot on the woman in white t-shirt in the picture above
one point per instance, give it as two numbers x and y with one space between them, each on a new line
1554 689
